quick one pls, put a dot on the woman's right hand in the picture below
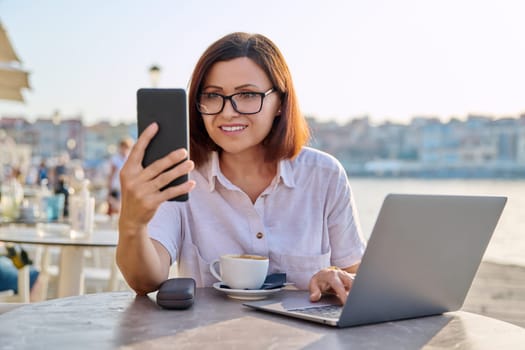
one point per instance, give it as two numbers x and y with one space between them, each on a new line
140 187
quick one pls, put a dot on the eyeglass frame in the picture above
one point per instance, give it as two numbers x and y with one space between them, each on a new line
230 98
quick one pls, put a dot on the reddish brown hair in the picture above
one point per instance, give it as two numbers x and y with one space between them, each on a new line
289 132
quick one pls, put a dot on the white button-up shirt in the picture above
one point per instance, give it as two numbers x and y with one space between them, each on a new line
304 221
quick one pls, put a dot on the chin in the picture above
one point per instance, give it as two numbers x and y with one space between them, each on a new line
238 149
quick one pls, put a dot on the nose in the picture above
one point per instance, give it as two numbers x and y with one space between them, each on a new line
228 109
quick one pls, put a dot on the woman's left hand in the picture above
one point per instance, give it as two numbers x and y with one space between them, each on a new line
332 281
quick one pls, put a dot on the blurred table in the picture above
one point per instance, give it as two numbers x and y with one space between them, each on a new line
70 278
126 321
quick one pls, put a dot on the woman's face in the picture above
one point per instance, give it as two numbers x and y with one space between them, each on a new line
234 132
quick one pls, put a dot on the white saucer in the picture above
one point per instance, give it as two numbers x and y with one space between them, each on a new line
246 294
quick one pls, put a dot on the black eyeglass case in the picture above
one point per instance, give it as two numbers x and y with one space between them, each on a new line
176 293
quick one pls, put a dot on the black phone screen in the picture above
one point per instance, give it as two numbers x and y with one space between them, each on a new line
167 107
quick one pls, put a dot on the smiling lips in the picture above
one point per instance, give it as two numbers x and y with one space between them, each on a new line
232 128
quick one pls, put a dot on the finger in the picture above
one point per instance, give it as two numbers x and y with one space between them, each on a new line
333 283
159 166
176 191
167 177
338 287
348 280
149 193
139 148
315 291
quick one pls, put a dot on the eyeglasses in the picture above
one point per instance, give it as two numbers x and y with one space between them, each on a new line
248 102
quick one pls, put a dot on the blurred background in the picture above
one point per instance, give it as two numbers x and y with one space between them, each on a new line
411 96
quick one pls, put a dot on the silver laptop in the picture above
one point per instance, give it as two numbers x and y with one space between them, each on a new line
420 260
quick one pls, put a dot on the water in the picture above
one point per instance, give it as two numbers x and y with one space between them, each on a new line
508 242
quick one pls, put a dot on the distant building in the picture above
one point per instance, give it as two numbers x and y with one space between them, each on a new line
479 146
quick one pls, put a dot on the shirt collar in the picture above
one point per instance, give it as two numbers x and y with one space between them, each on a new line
214 170
284 173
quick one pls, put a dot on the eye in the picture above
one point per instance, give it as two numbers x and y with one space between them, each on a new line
209 96
248 95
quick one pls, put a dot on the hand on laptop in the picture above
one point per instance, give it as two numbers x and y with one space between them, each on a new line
332 280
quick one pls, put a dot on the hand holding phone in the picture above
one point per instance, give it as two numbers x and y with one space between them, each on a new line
168 108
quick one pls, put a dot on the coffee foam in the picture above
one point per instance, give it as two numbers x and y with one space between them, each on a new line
249 256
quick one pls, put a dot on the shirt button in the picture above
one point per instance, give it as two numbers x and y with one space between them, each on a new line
259 235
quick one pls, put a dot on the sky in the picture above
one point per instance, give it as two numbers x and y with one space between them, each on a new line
389 60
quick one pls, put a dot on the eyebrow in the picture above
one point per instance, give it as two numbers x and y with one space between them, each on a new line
236 88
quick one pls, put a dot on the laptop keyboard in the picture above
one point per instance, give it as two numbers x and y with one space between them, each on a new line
328 311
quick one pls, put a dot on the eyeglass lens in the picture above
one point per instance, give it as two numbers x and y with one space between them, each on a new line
242 102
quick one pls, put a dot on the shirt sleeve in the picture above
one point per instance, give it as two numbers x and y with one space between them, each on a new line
166 228
346 240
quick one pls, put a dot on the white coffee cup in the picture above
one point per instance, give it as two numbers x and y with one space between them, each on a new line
241 271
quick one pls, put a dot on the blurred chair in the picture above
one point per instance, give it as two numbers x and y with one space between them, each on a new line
101 273
24 288
48 270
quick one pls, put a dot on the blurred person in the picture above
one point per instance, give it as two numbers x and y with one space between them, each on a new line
43 172
17 175
63 188
9 265
11 194
116 163
256 188
60 170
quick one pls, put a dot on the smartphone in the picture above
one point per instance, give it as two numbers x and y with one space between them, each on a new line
169 109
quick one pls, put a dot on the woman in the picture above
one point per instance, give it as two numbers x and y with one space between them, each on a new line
256 188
